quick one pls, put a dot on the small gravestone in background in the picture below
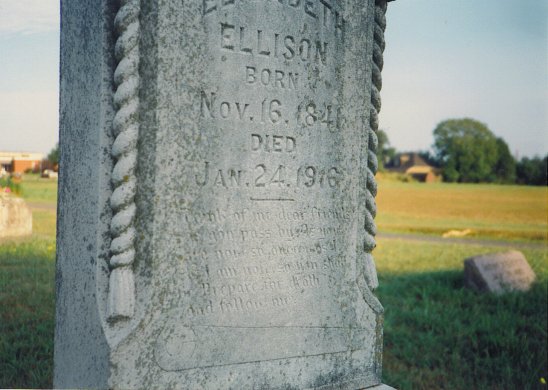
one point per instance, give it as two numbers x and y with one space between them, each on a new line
216 197
498 272
15 217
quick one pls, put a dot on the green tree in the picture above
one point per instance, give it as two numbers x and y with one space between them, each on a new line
532 171
53 155
385 152
505 168
467 151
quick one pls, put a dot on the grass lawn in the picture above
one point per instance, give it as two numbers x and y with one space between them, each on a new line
438 335
36 189
489 211
27 313
27 293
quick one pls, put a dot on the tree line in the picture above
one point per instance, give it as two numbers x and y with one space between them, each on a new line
468 152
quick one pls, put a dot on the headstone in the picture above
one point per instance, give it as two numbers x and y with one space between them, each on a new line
15 217
498 272
216 196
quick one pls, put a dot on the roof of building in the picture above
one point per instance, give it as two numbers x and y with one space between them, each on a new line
8 157
411 163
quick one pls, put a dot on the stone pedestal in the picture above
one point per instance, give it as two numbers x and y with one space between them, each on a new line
15 217
216 197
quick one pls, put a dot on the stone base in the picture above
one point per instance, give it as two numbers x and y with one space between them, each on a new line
15 217
380 387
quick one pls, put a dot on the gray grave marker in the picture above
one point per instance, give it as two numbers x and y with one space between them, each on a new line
498 272
15 217
216 196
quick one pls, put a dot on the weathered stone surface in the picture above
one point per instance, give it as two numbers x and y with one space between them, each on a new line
15 217
212 210
498 272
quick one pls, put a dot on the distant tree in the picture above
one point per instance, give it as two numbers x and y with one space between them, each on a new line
532 171
505 168
385 152
53 155
466 150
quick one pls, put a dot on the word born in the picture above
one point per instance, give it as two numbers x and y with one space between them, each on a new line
274 78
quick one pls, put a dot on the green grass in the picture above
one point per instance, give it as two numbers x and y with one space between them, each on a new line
438 335
27 293
38 190
26 313
490 211
43 224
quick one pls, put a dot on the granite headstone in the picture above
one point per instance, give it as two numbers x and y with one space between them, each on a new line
498 272
216 196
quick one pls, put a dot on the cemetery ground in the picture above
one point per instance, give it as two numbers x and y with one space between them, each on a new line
437 334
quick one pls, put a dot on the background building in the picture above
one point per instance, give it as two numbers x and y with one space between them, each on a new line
414 165
20 162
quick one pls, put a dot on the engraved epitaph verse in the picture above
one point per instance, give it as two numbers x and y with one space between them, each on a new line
267 218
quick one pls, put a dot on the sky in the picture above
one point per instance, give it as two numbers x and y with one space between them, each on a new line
482 59
29 75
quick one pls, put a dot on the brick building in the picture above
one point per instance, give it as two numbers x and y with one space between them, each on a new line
414 165
20 162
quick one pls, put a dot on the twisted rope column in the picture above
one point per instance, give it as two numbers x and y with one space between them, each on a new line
125 129
372 162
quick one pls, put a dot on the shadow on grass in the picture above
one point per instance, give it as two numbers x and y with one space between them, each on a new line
440 335
26 313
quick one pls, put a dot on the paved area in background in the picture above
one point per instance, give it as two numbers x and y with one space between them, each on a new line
42 206
462 241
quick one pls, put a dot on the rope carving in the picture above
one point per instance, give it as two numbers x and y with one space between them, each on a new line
125 129
372 162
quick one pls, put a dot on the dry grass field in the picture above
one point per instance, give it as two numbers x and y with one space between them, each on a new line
489 211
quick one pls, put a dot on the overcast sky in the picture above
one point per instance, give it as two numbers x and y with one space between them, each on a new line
484 59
